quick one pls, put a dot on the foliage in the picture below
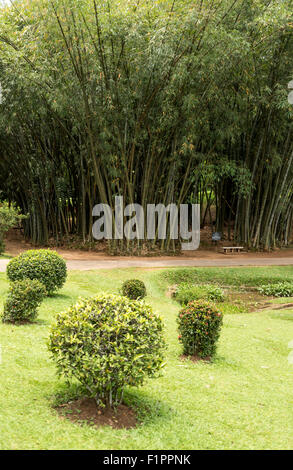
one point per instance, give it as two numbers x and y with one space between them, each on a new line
281 289
108 342
10 216
23 301
128 98
186 293
134 289
233 308
199 325
44 265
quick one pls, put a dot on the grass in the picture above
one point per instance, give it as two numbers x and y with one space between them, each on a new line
242 400
249 276
5 256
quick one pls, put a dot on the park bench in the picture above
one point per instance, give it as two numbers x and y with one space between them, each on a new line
232 249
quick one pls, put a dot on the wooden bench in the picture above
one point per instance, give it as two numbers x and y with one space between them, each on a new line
232 249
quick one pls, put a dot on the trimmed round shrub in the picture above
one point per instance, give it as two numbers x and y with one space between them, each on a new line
108 342
280 289
134 289
199 325
186 293
23 301
44 265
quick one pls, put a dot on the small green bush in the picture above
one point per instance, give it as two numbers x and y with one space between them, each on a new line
23 301
108 342
199 325
44 265
281 289
10 216
134 289
188 292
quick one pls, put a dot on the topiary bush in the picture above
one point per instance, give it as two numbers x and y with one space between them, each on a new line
199 325
108 342
23 301
281 289
44 265
188 292
134 289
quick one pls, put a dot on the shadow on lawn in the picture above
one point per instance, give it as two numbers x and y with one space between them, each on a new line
287 316
71 402
58 296
25 323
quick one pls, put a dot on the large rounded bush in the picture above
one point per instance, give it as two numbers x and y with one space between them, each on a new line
44 265
108 342
134 289
23 301
199 325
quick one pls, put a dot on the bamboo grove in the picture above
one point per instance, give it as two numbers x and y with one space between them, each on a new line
158 101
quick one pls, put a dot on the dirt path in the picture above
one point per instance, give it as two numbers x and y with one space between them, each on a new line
86 260
15 246
152 263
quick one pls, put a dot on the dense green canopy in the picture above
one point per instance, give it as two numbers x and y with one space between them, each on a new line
158 101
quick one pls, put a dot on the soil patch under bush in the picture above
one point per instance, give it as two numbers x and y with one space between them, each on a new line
195 358
86 410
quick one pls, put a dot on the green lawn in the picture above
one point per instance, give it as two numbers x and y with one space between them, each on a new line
243 400
5 256
249 276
